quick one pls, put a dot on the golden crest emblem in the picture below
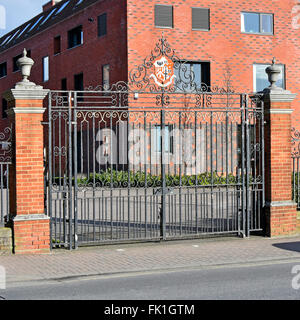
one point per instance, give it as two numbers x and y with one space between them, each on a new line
163 71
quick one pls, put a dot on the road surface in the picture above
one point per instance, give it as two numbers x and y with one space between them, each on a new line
264 280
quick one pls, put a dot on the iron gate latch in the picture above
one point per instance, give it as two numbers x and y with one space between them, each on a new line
160 191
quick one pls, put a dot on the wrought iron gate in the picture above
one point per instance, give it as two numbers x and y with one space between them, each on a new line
147 161
5 162
296 166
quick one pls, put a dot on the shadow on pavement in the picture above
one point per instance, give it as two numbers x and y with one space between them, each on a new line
291 246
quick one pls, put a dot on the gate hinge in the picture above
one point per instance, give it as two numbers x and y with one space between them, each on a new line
43 122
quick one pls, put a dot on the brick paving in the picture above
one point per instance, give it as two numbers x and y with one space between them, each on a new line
147 257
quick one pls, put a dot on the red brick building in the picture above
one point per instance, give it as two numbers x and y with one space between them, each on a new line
81 43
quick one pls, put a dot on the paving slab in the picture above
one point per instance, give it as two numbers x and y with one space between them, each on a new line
114 259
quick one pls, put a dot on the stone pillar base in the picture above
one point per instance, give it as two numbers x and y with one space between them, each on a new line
31 234
5 241
298 222
281 219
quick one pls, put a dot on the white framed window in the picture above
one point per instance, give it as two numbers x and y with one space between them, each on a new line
75 37
257 23
106 76
192 73
260 77
46 69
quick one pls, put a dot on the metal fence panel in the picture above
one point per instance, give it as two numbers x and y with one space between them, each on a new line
122 168
296 166
5 161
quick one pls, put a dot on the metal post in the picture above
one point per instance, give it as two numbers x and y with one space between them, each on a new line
243 226
263 151
163 179
70 173
248 169
75 175
50 168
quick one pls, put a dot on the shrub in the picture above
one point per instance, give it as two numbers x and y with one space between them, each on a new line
109 177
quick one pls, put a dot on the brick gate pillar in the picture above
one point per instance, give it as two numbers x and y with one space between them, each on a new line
280 211
31 227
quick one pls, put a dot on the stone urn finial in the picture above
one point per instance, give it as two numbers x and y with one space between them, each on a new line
273 74
25 64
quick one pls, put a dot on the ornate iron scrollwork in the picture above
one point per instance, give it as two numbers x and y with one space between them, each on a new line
295 143
5 145
181 80
163 76
141 77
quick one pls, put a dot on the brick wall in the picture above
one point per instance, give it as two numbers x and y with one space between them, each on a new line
281 221
28 135
278 163
30 225
31 237
5 241
224 43
87 58
281 213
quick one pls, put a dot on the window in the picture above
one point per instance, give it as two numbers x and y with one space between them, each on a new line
15 59
102 25
4 108
260 77
14 34
3 70
48 17
163 16
62 8
260 23
64 84
46 69
169 141
78 3
57 45
75 37
36 23
24 29
64 87
78 85
200 71
105 77
78 82
200 19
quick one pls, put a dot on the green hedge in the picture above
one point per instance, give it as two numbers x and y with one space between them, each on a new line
140 179
295 192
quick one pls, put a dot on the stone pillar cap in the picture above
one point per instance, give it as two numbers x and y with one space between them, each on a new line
25 60
25 64
273 68
274 93
273 73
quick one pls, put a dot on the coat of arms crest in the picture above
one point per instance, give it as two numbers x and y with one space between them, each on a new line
163 71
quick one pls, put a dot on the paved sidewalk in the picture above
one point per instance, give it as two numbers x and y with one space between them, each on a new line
148 257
